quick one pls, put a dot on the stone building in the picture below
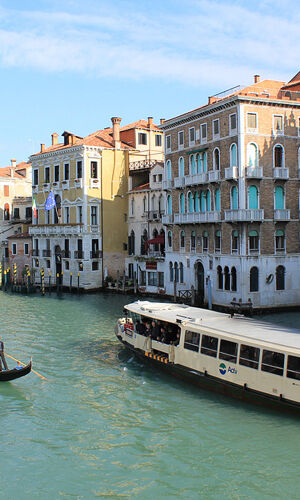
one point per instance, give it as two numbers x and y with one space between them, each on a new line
232 196
20 254
86 232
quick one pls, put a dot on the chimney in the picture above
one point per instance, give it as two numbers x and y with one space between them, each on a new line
116 131
150 122
13 163
256 78
42 148
162 120
54 138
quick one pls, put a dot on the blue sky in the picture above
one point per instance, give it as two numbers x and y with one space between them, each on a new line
73 65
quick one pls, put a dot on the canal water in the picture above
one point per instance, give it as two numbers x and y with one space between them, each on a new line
106 425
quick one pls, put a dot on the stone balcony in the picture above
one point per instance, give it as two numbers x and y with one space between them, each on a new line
231 173
55 229
168 185
244 215
179 182
282 215
214 175
197 217
167 219
254 172
192 180
281 173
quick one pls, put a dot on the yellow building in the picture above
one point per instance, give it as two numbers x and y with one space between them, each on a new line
86 232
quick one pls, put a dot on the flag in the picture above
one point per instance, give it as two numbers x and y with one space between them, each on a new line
34 209
50 202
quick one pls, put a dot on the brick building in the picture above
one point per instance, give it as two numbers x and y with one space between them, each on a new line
232 196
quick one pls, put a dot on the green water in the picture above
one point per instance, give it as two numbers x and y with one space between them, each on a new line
105 425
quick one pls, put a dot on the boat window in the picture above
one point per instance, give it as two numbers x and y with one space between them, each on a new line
228 350
293 367
249 356
272 362
209 345
192 341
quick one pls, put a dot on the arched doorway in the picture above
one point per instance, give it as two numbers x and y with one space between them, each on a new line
199 274
58 262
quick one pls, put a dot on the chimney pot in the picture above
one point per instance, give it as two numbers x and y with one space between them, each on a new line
13 163
42 148
54 138
116 131
162 120
256 78
150 122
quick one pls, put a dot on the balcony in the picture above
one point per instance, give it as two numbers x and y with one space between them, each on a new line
281 173
154 215
179 182
65 184
94 183
55 229
78 254
167 219
66 254
46 187
231 173
78 183
55 185
35 252
244 215
198 218
35 189
167 185
95 254
214 175
95 228
47 253
282 215
255 172
191 180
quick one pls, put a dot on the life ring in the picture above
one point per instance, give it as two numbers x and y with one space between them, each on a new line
269 279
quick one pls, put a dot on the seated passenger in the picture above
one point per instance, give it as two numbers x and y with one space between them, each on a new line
140 327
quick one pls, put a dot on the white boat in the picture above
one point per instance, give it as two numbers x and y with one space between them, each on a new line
239 356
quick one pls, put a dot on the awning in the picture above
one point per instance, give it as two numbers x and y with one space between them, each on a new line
159 240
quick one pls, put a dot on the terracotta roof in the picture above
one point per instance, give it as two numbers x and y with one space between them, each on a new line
142 187
6 171
138 124
19 236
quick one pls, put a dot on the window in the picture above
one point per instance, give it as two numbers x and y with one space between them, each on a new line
157 140
181 167
279 198
132 207
181 272
6 211
144 204
197 202
168 143
35 177
67 215
233 155
279 240
79 170
216 128
254 279
152 279
228 350
142 138
16 213
79 214
67 171
217 199
169 169
253 241
253 197
192 341
193 240
182 240
203 132
232 122
218 241
182 204
280 275
28 213
252 121
14 249
226 278
216 159
191 202
220 277
205 241
143 278
278 124
26 249
176 272
6 190
56 173
94 170
48 264
47 174
233 279
235 241
272 362
67 265
94 215
95 265
180 139
208 200
131 243
169 204
234 198
249 356
169 239
252 155
161 279
209 345
171 273
278 156
192 165
293 367
192 135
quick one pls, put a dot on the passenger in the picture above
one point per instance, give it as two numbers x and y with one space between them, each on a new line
177 341
2 357
163 335
148 330
140 327
155 330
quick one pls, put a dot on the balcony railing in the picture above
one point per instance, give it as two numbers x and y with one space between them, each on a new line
66 254
167 185
35 252
65 184
231 173
244 215
155 214
78 254
95 183
281 173
47 253
95 254
214 175
198 217
255 172
55 229
191 180
282 214
179 182
167 219
46 186
78 183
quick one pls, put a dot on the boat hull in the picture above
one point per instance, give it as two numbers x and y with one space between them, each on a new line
7 375
211 383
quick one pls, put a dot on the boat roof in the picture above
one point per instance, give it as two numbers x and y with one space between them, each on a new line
251 329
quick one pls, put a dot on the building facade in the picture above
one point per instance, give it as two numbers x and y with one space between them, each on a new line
85 234
232 197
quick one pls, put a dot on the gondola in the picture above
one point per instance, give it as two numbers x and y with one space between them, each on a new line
19 371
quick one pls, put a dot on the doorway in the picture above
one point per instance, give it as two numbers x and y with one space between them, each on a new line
199 271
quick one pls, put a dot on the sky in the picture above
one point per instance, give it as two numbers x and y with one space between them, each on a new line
73 65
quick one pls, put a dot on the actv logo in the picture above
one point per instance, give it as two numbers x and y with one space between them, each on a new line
222 368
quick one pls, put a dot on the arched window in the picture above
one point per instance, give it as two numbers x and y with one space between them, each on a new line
253 241
57 210
202 201
6 211
235 241
279 240
208 200
220 277
233 279
131 243
197 202
193 240
279 198
226 278
254 279
181 167
204 160
169 170
153 202
216 159
171 271
132 207
233 155
234 198
169 203
144 204
199 163
160 204
192 165
278 156
182 204
191 202
176 272
205 241
154 236
144 238
253 197
217 199
218 241
181 272
170 239
252 155
182 240
280 278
